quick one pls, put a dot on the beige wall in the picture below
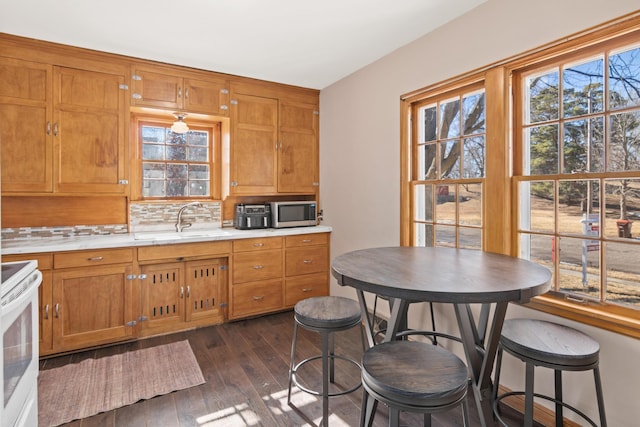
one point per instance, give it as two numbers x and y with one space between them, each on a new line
360 151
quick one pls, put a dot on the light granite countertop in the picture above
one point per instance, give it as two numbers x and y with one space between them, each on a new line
38 245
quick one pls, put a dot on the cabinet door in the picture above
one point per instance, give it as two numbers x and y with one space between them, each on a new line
204 293
45 295
253 145
163 295
92 306
298 148
25 126
89 131
209 96
154 89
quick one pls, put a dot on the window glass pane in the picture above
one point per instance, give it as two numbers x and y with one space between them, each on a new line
153 188
423 202
583 149
543 149
538 248
198 154
624 85
623 208
445 236
623 273
537 206
200 138
450 159
152 152
582 88
470 204
423 234
176 152
427 162
450 119
198 188
624 142
470 238
578 206
176 188
153 171
543 95
198 172
473 157
446 204
473 113
430 123
579 267
153 134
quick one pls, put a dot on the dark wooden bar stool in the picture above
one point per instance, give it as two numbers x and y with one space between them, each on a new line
412 376
324 315
554 346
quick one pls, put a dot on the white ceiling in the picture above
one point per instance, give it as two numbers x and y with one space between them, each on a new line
298 42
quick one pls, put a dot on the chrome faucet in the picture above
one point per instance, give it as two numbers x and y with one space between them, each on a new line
179 224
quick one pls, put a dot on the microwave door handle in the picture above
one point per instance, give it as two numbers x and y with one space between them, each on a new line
248 222
264 221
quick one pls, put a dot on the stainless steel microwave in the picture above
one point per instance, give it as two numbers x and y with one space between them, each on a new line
293 214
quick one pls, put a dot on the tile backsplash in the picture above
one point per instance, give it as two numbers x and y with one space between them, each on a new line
143 216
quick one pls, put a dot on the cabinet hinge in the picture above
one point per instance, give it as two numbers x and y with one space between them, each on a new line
234 102
316 184
132 323
136 77
224 267
136 96
124 87
142 318
225 91
131 276
224 107
224 304
233 183
316 113
123 181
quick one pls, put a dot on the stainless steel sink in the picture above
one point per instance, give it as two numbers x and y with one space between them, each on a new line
173 235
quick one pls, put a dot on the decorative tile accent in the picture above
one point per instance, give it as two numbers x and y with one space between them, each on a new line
23 233
143 216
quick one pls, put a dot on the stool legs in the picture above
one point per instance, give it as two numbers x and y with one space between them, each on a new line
600 397
291 364
558 386
327 371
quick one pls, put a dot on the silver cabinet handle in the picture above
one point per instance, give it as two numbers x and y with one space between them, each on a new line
188 291
48 128
55 129
186 93
57 310
95 258
181 291
46 312
179 92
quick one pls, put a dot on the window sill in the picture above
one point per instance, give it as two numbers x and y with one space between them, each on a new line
605 317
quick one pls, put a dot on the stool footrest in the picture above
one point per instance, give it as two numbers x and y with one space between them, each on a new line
295 381
541 396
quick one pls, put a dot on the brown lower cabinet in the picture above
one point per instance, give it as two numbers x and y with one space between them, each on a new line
90 298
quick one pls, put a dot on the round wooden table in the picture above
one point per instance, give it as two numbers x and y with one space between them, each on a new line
447 275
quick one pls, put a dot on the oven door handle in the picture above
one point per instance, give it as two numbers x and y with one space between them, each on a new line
34 279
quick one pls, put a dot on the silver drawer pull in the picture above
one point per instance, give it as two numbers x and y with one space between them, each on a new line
258 267
95 258
308 261
258 245
307 289
258 298
306 241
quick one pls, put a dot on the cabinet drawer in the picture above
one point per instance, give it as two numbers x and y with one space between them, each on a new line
90 258
258 244
45 261
307 240
250 266
314 259
181 252
256 298
307 286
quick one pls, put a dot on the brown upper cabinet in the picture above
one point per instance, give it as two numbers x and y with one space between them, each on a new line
274 147
63 129
156 87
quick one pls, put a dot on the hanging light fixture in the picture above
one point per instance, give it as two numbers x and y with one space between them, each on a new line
179 126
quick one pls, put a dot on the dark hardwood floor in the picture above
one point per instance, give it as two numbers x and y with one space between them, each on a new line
245 365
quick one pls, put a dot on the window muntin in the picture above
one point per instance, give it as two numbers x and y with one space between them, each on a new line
449 170
175 165
580 185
